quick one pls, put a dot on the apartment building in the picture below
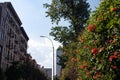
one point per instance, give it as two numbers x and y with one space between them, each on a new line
13 38
48 73
59 52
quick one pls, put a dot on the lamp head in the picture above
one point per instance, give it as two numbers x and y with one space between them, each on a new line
42 36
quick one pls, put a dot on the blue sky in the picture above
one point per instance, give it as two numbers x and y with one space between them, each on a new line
32 14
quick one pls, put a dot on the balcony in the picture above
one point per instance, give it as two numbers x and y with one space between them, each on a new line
9 46
15 50
10 34
22 40
7 57
16 41
22 49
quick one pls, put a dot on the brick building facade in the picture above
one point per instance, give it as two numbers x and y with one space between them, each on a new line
13 38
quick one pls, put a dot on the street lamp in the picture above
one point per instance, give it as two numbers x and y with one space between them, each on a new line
53 52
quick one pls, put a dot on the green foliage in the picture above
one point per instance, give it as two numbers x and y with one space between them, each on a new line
62 34
104 62
24 71
76 12
63 59
68 9
2 76
56 77
70 71
97 55
13 72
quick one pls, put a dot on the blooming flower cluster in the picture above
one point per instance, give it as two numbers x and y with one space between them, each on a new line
100 45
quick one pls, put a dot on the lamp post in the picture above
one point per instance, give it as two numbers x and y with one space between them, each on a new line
53 52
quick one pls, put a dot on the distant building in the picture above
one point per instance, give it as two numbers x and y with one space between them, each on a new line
13 38
48 72
58 67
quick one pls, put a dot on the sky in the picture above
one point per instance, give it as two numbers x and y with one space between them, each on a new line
36 24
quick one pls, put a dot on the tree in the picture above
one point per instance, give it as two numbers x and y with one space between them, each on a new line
29 72
24 71
76 12
99 44
2 76
13 72
70 72
56 78
62 60
61 34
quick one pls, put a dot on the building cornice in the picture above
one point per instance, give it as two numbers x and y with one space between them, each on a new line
11 9
24 33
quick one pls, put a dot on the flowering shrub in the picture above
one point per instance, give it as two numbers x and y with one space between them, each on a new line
100 45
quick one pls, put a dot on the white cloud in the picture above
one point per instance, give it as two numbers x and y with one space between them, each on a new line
42 52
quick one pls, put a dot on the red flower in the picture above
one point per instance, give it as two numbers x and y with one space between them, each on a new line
83 65
94 51
113 67
85 47
73 60
97 75
98 19
94 77
88 74
113 57
81 39
113 9
91 28
116 53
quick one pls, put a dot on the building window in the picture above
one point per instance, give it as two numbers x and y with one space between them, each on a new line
0 13
0 49
1 35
